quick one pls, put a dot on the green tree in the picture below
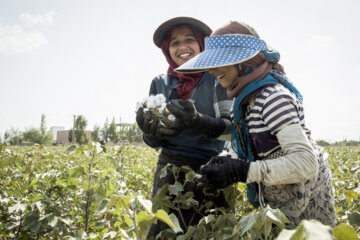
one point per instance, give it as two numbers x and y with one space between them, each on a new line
13 136
95 135
322 143
43 124
34 135
78 131
112 133
105 131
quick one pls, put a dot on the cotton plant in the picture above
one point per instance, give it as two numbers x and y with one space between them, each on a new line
155 104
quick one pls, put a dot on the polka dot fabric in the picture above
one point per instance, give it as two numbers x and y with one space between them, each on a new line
224 50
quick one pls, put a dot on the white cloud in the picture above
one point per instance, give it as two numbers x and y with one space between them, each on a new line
31 20
14 40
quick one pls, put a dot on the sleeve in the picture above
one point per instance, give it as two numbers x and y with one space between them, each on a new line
222 107
153 90
300 162
279 110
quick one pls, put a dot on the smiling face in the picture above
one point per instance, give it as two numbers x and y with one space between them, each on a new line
225 75
183 45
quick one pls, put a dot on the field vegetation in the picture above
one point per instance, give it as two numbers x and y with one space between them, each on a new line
104 192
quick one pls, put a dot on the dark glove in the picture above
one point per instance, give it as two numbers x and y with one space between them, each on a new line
221 171
186 115
150 124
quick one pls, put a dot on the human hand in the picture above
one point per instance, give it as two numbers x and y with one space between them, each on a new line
150 124
221 171
186 116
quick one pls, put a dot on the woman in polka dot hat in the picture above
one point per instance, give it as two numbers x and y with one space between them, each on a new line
277 157
201 107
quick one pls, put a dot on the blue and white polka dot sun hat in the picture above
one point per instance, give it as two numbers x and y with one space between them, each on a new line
224 50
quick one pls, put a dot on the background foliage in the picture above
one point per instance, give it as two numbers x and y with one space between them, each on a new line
97 192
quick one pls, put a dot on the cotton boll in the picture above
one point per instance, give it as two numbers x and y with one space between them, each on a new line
162 107
156 104
146 109
151 102
171 117
157 101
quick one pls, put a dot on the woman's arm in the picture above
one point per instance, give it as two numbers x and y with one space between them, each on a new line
299 164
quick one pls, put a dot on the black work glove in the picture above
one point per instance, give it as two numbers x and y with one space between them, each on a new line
186 115
222 171
150 124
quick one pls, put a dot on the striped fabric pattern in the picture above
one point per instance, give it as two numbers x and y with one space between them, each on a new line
274 108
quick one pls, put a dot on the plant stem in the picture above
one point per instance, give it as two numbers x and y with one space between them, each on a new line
89 193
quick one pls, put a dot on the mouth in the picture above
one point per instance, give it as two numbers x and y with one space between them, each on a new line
185 55
220 76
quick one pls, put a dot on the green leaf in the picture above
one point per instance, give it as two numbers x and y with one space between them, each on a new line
246 222
277 217
354 218
163 216
39 206
53 222
147 204
45 216
189 176
97 147
100 224
209 218
185 169
143 216
190 202
66 221
102 206
312 229
351 195
161 200
345 232
187 236
92 236
77 171
123 233
175 188
110 234
175 221
35 227
287 235
163 172
30 219
18 207
71 148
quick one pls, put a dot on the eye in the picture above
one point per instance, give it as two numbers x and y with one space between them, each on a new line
190 40
174 43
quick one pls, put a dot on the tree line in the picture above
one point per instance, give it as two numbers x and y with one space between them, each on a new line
115 133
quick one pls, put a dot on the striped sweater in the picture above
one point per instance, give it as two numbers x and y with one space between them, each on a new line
271 110
274 108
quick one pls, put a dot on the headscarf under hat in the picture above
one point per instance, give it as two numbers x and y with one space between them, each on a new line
253 69
189 80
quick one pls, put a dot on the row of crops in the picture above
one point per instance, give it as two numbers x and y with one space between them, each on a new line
97 192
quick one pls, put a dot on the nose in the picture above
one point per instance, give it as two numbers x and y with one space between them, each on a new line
212 71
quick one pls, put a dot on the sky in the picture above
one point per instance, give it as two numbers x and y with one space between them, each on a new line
97 58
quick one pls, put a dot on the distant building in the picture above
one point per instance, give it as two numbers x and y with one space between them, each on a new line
54 131
63 137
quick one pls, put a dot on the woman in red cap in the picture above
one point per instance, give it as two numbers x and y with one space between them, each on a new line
204 112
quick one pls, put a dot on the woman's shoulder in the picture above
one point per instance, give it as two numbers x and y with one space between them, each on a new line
160 77
273 91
